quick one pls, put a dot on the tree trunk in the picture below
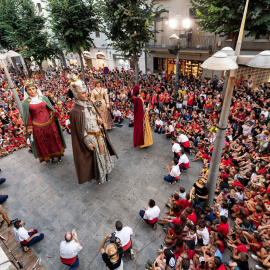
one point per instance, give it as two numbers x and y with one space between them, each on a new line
15 66
41 70
27 68
234 40
136 64
81 59
63 58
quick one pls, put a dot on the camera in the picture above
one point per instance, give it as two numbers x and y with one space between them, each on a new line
115 240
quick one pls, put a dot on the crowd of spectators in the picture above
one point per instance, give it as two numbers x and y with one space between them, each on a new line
196 233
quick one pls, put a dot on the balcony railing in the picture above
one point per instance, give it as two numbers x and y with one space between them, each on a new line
199 42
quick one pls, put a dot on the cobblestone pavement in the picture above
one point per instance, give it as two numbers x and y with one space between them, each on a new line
48 197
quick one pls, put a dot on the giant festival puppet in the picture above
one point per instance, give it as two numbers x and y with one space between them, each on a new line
142 134
92 149
42 124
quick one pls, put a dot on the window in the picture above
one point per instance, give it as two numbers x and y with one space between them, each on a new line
192 13
97 34
39 7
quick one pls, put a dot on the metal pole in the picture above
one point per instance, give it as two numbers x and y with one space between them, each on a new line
219 142
176 87
13 90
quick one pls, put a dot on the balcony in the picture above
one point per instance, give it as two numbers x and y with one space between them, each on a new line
198 42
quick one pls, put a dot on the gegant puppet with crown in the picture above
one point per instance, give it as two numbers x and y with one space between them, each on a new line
92 149
42 124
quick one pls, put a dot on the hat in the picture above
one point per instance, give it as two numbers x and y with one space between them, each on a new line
191 244
97 81
200 183
201 259
110 250
136 89
250 123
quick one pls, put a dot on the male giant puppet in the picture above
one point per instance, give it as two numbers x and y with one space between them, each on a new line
92 149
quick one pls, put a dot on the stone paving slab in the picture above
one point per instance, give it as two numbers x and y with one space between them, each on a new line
48 197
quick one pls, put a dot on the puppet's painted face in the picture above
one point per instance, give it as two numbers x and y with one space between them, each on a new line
82 96
31 91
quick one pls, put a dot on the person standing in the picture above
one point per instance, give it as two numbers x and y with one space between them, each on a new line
125 234
101 100
113 254
41 122
69 250
92 149
142 135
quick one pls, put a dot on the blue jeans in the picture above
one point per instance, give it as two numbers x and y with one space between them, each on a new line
3 198
169 179
131 124
235 268
35 239
237 127
75 265
156 130
2 180
142 212
169 136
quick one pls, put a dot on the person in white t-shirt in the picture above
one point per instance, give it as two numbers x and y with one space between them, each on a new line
69 250
131 119
158 125
150 214
169 133
203 234
183 161
117 116
174 172
175 148
26 238
124 234
184 142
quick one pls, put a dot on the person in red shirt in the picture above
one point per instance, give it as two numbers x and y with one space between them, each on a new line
224 226
191 215
218 264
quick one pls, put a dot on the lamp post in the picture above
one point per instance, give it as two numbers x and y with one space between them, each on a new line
219 142
10 83
172 24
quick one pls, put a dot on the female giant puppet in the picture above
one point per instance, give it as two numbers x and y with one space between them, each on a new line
100 99
142 134
40 120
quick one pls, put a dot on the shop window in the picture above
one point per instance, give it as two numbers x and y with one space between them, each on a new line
97 34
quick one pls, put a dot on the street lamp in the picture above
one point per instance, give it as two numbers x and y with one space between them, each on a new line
261 60
10 83
173 23
228 50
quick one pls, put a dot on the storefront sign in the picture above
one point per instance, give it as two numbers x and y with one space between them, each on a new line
173 62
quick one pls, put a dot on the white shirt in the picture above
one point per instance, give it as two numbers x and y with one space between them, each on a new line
183 138
171 128
183 160
130 117
176 148
205 236
70 249
117 113
124 235
222 211
152 213
159 123
175 171
67 122
20 234
265 113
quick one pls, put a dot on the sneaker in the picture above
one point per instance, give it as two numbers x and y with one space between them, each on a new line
25 248
259 267
254 257
147 266
155 226
149 262
132 256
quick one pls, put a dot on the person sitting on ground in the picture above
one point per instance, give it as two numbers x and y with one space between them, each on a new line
5 217
175 148
158 125
174 172
69 250
183 161
150 214
125 234
26 238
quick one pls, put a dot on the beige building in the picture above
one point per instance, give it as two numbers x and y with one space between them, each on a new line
195 47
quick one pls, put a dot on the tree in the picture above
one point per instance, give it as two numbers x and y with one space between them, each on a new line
219 17
72 22
129 25
25 30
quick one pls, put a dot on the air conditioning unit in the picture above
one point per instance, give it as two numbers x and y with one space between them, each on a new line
219 43
163 45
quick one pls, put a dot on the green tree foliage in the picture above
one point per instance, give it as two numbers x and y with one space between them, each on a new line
24 29
72 22
217 16
129 25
